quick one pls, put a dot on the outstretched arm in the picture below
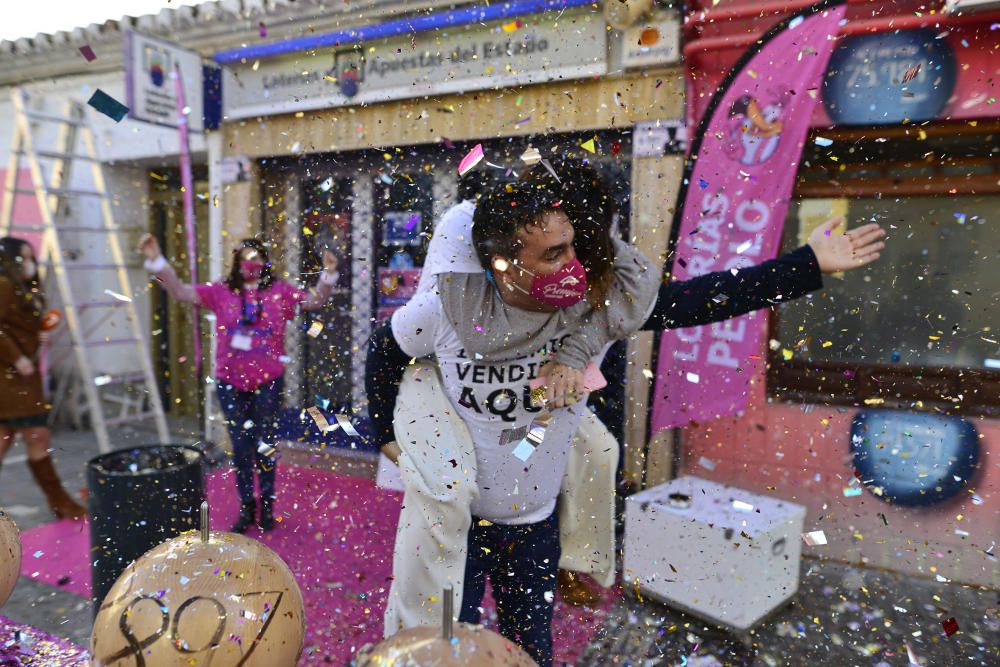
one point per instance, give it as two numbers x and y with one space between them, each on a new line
722 295
157 264
316 298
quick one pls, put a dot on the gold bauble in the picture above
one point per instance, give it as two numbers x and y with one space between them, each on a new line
10 556
223 602
426 647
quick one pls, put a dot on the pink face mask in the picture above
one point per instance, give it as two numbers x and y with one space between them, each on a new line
562 289
251 270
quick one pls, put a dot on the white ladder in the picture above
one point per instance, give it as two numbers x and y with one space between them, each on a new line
141 398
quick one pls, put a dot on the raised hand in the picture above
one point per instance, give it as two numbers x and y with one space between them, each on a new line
843 252
149 247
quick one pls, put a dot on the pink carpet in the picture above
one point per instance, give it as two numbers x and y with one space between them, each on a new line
335 532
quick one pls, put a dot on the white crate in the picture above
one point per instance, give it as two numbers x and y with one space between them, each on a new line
735 554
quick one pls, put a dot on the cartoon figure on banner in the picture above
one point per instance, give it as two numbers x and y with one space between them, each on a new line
755 128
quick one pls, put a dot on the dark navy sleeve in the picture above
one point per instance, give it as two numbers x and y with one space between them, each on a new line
722 295
386 363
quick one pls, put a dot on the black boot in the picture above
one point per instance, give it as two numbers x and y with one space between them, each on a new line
246 517
267 513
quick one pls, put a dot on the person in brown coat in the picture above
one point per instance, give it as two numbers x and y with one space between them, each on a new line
23 410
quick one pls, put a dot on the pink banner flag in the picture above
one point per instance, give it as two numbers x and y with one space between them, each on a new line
733 204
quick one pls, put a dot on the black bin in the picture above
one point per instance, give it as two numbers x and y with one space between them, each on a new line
139 498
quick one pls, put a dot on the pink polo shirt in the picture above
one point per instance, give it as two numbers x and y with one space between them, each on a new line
250 347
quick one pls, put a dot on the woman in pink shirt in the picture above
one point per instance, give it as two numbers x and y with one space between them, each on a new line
251 309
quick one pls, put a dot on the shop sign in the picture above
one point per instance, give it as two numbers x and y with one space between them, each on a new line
534 49
888 77
150 92
659 138
651 43
234 169
402 227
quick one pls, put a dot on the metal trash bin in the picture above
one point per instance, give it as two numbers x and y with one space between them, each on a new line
139 497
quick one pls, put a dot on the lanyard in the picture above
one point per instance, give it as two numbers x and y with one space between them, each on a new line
249 316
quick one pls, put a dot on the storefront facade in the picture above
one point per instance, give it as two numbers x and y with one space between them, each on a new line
906 135
369 162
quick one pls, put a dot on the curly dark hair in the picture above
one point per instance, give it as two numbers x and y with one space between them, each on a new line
573 187
27 290
235 279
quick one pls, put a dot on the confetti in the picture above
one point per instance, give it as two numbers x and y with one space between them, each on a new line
702 183
911 73
950 626
412 222
706 463
472 158
117 296
741 506
823 141
524 450
348 427
851 491
108 105
265 449
321 423
262 29
315 329
692 377
513 26
88 53
743 247
815 538
588 146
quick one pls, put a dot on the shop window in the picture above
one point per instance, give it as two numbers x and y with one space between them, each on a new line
916 329
404 212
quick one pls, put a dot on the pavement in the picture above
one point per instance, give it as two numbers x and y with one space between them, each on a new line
843 616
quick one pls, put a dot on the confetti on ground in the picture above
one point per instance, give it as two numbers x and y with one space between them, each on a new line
692 377
823 141
706 463
850 491
88 53
911 73
815 538
265 449
472 158
741 506
108 105
950 626
588 146
513 26
315 329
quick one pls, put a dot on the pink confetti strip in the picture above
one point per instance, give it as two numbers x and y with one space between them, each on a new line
474 157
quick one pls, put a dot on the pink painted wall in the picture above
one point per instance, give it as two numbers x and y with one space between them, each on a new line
805 457
26 210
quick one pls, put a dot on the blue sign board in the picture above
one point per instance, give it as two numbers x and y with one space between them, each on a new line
886 77
915 458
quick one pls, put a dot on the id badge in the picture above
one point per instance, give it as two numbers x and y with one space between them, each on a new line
241 341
